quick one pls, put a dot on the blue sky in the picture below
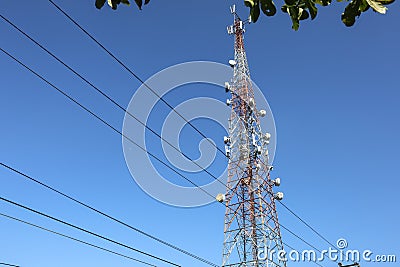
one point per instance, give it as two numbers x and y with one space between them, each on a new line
334 92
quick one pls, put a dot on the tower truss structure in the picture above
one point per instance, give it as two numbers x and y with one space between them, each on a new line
251 233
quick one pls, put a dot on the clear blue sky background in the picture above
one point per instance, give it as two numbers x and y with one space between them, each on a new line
334 92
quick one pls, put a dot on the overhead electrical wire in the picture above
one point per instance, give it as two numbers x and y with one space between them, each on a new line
75 239
7 264
155 93
133 228
133 73
106 123
297 250
87 231
104 94
109 98
308 225
107 215
300 238
100 119
118 105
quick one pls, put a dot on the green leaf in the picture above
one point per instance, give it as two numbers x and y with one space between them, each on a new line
100 3
290 2
364 6
113 3
304 15
125 2
325 2
268 7
255 12
378 7
385 2
249 3
350 13
312 8
294 15
139 3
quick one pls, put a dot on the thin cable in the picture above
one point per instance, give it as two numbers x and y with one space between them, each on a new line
111 99
87 231
304 241
297 236
7 264
113 128
120 133
133 228
308 225
133 74
108 216
102 120
105 95
297 250
75 239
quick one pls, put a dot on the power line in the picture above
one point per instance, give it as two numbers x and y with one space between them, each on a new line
87 231
104 94
7 264
108 97
160 97
300 238
133 73
133 228
100 119
75 239
107 124
297 250
308 225
108 216
111 99
119 106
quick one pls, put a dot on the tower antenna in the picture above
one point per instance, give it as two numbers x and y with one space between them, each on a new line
251 233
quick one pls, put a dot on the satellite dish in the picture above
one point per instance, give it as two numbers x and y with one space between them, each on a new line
251 102
227 139
277 181
220 197
262 113
227 86
232 63
279 196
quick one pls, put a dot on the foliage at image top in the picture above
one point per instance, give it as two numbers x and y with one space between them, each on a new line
296 9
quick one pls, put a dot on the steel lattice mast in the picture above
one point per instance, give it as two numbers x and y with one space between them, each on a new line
251 229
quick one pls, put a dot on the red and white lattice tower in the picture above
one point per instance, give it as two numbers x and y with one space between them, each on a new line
251 229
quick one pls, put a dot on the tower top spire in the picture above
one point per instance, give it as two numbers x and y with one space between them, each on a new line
238 23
